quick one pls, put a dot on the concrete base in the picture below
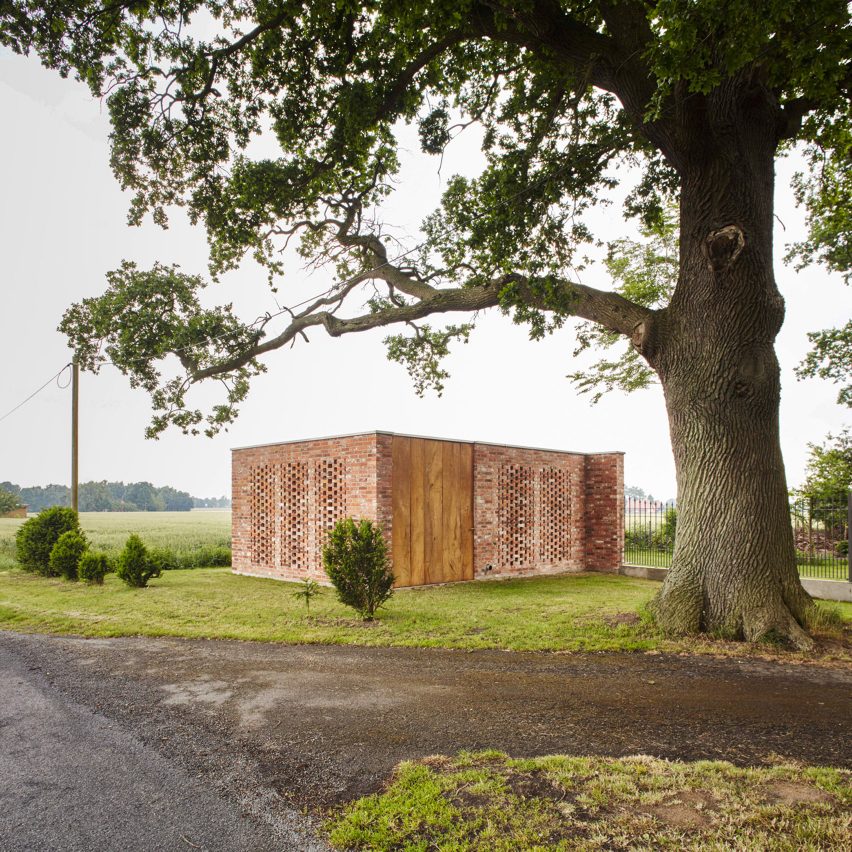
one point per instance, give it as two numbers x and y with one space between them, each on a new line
826 590
644 572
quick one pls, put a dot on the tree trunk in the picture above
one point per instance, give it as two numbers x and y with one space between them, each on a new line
734 568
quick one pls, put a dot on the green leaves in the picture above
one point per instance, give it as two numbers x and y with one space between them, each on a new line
797 47
422 353
831 359
146 316
277 121
646 273
828 475
825 191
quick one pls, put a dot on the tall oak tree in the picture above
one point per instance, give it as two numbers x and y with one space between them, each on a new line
698 97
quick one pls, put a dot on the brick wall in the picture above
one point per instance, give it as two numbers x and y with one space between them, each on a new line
528 511
384 480
604 511
286 496
535 511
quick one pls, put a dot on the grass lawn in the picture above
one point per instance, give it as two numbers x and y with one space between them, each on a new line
585 612
488 803
181 532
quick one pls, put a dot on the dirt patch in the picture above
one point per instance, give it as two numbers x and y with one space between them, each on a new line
534 785
465 798
792 793
348 623
614 620
690 810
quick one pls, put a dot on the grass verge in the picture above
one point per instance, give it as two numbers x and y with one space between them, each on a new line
579 612
486 802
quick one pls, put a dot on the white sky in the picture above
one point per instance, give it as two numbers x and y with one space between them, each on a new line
63 225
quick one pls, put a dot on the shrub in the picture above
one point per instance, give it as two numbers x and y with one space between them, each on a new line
93 567
212 556
164 559
638 536
66 553
356 560
206 556
36 537
134 565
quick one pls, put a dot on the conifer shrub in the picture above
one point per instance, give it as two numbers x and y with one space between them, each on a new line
134 564
93 567
355 558
36 537
66 553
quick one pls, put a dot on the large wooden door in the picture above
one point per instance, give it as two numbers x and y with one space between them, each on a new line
432 511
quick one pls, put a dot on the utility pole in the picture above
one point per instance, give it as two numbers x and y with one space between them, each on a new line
75 418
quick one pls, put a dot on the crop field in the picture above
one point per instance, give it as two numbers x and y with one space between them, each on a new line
180 532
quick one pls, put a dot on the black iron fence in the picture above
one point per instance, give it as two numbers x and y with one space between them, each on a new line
649 532
820 531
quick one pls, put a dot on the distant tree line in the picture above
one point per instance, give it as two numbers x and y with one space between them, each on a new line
113 497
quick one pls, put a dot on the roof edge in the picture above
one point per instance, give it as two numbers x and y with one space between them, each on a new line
427 438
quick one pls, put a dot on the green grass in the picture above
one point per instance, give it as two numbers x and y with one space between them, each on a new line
585 612
181 532
487 802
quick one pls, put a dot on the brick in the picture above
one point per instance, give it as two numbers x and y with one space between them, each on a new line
535 511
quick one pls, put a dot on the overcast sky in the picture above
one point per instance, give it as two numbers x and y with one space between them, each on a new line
63 225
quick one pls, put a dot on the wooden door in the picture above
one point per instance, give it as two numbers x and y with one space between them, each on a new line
432 489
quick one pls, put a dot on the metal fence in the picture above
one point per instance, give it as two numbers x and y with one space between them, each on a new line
820 531
649 531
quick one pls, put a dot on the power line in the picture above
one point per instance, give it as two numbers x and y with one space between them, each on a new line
35 393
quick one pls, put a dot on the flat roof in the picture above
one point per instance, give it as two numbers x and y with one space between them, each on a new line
427 438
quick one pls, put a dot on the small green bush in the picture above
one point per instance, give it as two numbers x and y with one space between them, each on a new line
355 557
93 567
36 537
663 538
211 556
165 559
135 565
66 553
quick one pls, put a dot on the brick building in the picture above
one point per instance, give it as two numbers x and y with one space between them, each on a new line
450 510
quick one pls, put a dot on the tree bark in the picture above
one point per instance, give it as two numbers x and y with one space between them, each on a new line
734 569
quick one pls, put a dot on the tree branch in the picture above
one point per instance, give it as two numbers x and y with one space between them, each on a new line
792 113
609 309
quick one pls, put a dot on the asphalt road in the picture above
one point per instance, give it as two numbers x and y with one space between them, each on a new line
126 744
71 780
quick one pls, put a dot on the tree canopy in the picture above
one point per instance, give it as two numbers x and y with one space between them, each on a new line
569 97
8 501
829 472
111 497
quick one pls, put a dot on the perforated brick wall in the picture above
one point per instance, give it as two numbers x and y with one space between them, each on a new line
287 496
528 511
535 511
